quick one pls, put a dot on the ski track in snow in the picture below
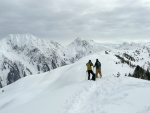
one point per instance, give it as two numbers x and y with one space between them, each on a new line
95 95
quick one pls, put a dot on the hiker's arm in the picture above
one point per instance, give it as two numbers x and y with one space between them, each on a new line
94 65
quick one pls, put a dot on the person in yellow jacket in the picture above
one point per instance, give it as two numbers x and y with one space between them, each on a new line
89 70
98 68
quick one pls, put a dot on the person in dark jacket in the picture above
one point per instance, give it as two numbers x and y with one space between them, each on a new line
98 68
89 70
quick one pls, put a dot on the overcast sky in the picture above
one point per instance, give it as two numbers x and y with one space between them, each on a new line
65 20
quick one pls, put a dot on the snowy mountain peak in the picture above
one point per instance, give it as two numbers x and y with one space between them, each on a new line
20 36
129 46
80 48
29 41
20 39
78 39
28 55
80 42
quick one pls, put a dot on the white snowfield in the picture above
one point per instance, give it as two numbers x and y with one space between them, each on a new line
67 90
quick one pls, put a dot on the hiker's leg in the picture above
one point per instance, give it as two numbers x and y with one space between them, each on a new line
100 73
93 75
96 72
92 72
88 75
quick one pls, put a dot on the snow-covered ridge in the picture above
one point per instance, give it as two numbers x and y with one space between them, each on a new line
25 54
80 48
66 90
30 41
28 55
131 46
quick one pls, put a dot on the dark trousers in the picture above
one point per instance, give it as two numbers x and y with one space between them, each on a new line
1 85
90 72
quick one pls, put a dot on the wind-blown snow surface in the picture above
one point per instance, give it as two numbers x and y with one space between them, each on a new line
65 90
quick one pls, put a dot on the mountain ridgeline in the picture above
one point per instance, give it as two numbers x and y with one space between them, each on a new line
23 55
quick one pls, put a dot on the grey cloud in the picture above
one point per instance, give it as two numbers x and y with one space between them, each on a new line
66 19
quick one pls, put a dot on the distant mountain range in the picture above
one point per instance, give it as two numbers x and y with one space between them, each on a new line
24 54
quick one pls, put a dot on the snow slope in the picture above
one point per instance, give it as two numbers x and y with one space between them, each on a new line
65 90
24 54
28 55
80 48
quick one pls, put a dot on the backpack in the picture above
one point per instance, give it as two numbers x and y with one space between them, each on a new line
91 64
98 64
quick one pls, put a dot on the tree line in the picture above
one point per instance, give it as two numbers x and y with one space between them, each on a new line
141 73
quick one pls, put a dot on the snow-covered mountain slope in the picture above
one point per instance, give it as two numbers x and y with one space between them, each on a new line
80 48
66 90
25 54
135 57
22 55
131 46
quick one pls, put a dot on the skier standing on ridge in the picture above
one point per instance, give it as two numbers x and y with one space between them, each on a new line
89 70
98 68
